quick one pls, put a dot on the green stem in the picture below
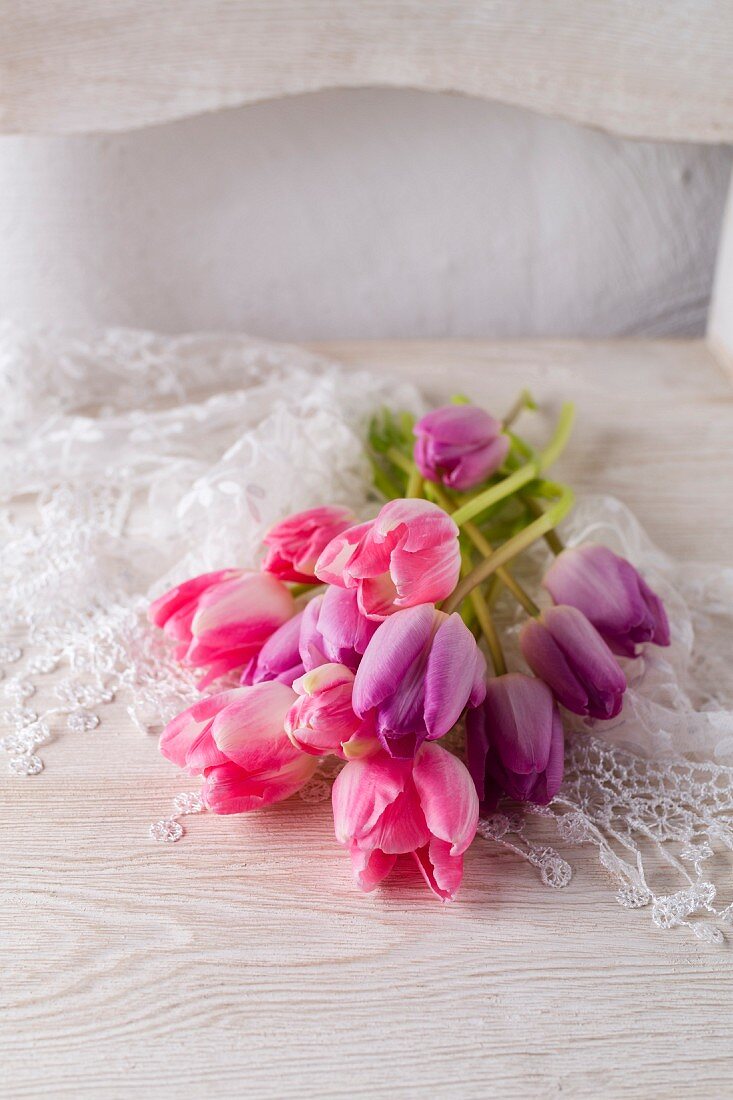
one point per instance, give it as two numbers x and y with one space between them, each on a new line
560 436
489 631
301 589
552 538
511 548
524 401
484 547
414 483
397 458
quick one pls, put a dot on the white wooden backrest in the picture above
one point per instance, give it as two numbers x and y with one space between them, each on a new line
657 69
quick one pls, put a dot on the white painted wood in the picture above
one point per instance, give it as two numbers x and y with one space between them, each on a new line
367 214
720 318
657 69
242 962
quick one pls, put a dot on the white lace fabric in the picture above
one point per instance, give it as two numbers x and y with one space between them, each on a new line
129 461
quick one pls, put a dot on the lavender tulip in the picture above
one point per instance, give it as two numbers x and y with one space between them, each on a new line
568 653
279 659
418 673
611 594
515 742
334 630
459 445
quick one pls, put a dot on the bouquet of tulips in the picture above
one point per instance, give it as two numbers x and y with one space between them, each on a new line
366 641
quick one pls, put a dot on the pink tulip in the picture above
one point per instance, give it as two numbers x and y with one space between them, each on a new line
426 808
515 742
323 721
564 650
279 658
459 445
221 620
420 670
408 555
295 544
334 630
237 740
611 594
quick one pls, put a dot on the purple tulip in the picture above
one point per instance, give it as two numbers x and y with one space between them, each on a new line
334 631
515 742
568 653
419 671
459 445
611 594
279 659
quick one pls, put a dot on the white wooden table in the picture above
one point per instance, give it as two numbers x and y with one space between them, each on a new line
243 962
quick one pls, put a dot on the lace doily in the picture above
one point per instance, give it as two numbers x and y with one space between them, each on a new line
129 461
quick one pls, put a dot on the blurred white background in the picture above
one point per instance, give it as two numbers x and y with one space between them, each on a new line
362 214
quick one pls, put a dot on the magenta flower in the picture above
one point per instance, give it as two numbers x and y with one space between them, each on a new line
459 445
515 742
237 740
334 630
426 808
279 658
295 544
568 653
420 670
612 596
221 620
408 555
322 719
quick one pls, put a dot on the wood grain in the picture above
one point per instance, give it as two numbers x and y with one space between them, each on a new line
661 69
243 962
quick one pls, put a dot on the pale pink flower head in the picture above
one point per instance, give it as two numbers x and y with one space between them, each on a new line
612 595
426 808
237 740
568 653
459 445
295 544
221 620
515 742
408 555
322 719
420 670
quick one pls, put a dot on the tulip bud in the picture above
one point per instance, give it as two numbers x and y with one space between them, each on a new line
564 650
221 620
459 445
408 555
612 596
322 719
515 742
420 670
295 544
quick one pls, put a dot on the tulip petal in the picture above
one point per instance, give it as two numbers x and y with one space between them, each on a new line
228 789
242 611
161 610
250 731
442 871
456 666
397 644
187 740
461 425
336 557
426 576
476 466
420 524
400 828
362 791
370 868
447 796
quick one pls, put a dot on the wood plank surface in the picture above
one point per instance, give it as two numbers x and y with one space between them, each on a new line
661 69
242 962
